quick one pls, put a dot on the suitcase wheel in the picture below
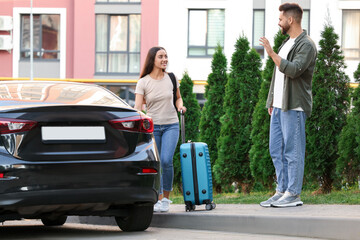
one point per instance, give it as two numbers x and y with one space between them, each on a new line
190 207
210 206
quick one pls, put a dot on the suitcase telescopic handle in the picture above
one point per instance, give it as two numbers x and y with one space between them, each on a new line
182 119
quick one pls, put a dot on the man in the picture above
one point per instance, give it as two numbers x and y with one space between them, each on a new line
289 103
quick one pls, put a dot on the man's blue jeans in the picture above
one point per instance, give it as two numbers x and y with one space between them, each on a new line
166 138
287 149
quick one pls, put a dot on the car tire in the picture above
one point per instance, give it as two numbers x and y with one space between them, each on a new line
138 219
54 222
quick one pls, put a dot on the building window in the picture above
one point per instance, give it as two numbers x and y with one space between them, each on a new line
118 44
305 21
351 34
258 30
46 36
118 1
206 30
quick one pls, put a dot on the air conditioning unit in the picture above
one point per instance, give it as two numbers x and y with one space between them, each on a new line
6 23
6 42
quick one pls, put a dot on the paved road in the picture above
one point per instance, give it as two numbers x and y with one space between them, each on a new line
31 230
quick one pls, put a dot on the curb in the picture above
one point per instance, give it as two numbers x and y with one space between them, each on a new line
329 228
313 221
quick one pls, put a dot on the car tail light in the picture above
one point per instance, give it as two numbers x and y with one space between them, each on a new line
1 175
134 124
148 170
8 125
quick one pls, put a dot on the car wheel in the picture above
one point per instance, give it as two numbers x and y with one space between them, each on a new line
139 219
54 221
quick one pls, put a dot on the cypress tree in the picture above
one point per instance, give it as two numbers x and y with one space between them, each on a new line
192 115
348 163
192 119
241 96
262 168
330 104
213 108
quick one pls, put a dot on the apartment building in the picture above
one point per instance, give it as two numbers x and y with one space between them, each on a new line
107 40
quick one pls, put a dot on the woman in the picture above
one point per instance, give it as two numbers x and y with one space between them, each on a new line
155 89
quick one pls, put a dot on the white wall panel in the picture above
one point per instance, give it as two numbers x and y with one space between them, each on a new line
173 29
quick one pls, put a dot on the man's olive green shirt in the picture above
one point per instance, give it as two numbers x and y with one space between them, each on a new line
298 71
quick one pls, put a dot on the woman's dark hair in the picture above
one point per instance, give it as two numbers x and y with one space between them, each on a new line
292 9
149 62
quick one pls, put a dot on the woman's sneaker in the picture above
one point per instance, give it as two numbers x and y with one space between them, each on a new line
157 206
165 205
274 198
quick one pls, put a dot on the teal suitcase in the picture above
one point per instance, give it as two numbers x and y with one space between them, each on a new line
196 173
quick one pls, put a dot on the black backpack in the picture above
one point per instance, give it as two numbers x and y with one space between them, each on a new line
173 80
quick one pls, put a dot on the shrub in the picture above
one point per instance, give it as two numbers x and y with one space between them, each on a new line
348 163
241 96
330 104
213 108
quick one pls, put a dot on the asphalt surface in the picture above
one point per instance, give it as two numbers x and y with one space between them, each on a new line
311 221
34 230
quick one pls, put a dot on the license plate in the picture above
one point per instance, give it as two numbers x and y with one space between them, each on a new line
73 134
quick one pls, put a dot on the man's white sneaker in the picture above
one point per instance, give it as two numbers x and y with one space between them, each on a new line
288 200
165 205
274 198
157 206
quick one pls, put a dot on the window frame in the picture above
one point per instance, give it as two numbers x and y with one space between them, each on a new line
108 52
40 50
205 47
308 10
16 36
342 37
258 48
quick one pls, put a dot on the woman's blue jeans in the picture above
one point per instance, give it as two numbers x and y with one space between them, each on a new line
287 149
166 138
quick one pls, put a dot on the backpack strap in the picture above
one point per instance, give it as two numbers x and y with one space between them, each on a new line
173 80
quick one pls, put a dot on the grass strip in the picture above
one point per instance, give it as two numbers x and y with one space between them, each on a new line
350 197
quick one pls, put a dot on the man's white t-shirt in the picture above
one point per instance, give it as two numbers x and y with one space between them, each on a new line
279 76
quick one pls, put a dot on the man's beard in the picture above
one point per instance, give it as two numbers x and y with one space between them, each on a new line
285 29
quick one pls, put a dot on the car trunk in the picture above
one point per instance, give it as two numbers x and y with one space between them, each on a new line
67 136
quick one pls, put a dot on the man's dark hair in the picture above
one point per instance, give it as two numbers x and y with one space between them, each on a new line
292 9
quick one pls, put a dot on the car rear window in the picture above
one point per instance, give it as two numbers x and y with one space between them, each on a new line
26 93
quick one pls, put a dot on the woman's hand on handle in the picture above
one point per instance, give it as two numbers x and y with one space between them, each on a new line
182 109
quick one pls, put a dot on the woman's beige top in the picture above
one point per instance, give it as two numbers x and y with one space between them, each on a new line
158 95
